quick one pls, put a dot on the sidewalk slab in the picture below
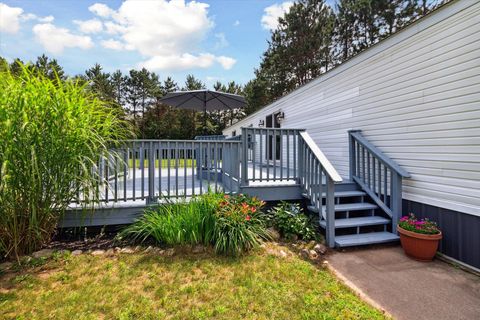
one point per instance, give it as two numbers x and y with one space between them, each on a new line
408 289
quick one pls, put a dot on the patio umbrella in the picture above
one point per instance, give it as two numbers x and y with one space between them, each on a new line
204 100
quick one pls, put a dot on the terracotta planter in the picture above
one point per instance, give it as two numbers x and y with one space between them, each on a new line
421 247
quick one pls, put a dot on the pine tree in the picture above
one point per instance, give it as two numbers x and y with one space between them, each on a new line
49 68
99 83
119 83
192 83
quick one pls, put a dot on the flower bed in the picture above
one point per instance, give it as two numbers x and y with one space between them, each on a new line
231 224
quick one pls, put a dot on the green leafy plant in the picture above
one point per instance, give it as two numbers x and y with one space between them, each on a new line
289 219
232 224
177 223
425 226
53 133
239 225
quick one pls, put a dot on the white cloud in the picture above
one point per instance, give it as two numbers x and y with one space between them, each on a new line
31 16
26 16
115 45
182 62
89 26
55 39
273 12
161 27
10 18
114 28
168 33
221 41
46 19
226 62
187 61
236 23
101 10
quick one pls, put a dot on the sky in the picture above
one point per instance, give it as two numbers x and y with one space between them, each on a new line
212 39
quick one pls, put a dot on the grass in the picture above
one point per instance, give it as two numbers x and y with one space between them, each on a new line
185 286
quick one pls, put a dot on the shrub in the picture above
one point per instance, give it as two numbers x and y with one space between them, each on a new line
52 133
425 226
239 225
232 224
177 222
289 219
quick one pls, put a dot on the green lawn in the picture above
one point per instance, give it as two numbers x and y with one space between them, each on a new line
185 286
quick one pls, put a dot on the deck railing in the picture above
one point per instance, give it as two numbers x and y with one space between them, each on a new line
378 175
152 169
318 177
290 155
210 137
271 153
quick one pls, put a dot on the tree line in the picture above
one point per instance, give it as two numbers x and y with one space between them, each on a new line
137 95
313 38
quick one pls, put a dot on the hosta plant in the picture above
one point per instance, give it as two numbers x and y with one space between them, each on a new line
289 219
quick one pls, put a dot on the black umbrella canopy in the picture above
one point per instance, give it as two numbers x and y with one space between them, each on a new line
204 100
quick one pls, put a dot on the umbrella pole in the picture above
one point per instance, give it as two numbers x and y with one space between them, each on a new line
205 122
205 113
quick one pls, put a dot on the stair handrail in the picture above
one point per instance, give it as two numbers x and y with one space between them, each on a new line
357 135
372 178
327 165
313 165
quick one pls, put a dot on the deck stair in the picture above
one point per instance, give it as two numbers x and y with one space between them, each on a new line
358 220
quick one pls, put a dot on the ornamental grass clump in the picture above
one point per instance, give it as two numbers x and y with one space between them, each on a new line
53 133
177 223
424 226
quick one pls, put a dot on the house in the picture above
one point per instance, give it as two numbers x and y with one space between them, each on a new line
415 96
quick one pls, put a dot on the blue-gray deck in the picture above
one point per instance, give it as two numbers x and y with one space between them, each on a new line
121 211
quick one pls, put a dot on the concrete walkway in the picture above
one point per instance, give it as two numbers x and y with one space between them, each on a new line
407 289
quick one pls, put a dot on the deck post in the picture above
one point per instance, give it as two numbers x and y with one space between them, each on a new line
151 173
330 212
244 157
396 198
301 148
352 154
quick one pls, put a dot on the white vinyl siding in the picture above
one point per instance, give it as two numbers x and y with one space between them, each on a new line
415 95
